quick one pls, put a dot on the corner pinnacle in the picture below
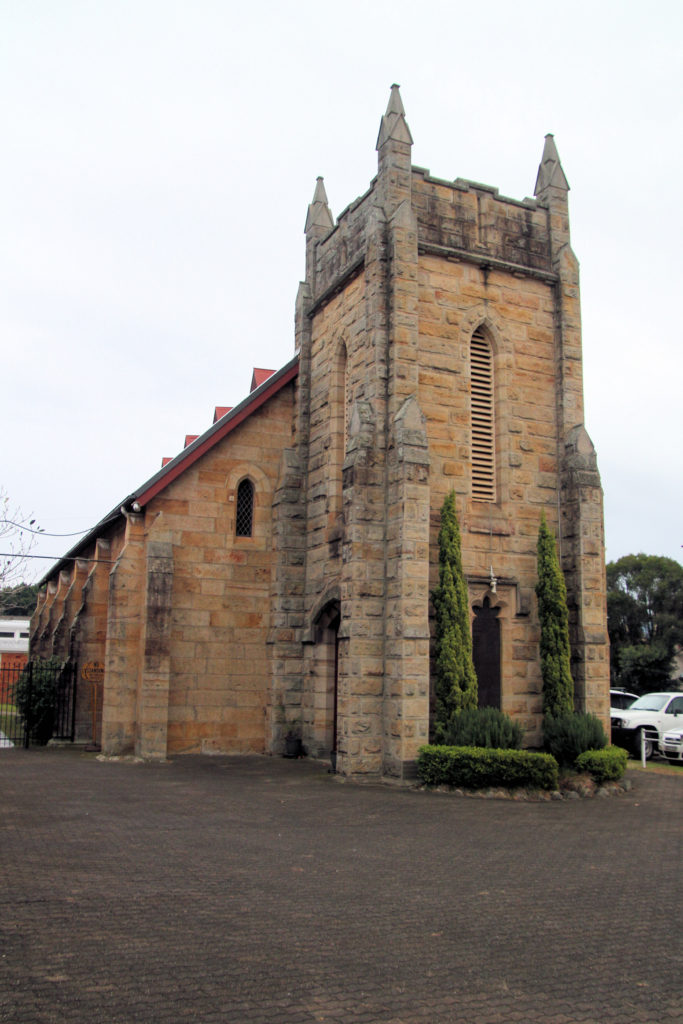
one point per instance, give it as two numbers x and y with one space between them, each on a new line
394 125
319 214
550 171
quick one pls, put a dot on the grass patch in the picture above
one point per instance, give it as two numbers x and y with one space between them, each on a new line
656 767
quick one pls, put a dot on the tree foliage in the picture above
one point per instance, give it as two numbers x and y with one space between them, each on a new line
19 601
36 697
456 680
551 591
644 620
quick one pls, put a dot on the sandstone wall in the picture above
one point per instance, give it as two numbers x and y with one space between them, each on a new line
220 601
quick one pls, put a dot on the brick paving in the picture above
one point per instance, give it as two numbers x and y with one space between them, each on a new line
234 890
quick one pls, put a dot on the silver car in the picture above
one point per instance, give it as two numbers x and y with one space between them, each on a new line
671 745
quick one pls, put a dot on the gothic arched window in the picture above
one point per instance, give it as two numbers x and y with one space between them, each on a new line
244 515
482 419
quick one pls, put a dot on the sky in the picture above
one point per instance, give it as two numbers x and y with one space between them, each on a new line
158 161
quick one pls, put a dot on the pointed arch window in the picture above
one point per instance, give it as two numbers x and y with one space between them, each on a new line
244 515
482 416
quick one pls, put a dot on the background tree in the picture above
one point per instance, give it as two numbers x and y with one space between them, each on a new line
456 680
644 620
19 601
17 536
551 591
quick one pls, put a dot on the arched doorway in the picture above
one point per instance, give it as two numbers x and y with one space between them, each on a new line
323 737
486 653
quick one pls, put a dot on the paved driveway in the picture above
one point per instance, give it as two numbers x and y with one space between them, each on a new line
234 890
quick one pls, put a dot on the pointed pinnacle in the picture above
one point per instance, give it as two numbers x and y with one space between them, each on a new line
395 104
550 171
394 125
319 214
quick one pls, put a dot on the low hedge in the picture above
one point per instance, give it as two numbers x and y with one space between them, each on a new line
480 768
605 765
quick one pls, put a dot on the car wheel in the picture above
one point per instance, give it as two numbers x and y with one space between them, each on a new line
637 746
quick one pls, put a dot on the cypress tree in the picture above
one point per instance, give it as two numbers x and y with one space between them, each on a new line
456 681
558 688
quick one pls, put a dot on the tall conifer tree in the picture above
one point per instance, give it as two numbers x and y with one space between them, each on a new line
456 680
551 591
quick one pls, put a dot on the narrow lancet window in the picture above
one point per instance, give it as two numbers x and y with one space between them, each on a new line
483 454
244 517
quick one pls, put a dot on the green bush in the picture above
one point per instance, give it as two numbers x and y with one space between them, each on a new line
479 768
482 727
36 697
567 736
551 591
605 765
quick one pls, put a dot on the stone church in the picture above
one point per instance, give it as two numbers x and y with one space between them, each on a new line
274 578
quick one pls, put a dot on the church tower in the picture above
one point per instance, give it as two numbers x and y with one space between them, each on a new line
439 340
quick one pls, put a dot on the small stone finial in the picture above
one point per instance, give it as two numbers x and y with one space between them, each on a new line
550 173
394 125
319 214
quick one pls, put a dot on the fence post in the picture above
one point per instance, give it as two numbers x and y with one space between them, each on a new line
29 706
74 684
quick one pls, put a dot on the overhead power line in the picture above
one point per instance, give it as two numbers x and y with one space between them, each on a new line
40 532
58 558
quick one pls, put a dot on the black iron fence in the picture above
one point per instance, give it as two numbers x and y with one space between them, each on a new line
37 703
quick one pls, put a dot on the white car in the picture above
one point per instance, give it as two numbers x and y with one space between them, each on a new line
657 713
671 745
5 741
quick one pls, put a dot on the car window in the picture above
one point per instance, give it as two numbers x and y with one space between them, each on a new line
676 706
621 700
650 702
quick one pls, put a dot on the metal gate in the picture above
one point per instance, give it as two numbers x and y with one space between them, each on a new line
37 703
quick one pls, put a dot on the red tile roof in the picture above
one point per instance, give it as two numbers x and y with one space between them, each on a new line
259 376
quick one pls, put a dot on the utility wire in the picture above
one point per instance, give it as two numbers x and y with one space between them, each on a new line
41 532
56 558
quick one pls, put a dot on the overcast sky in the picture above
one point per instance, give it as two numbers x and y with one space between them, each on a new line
158 160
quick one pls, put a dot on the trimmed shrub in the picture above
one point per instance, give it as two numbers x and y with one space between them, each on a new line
483 727
551 591
567 736
606 765
455 678
479 768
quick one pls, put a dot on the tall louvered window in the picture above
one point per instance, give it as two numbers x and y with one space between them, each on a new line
338 408
245 509
483 455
